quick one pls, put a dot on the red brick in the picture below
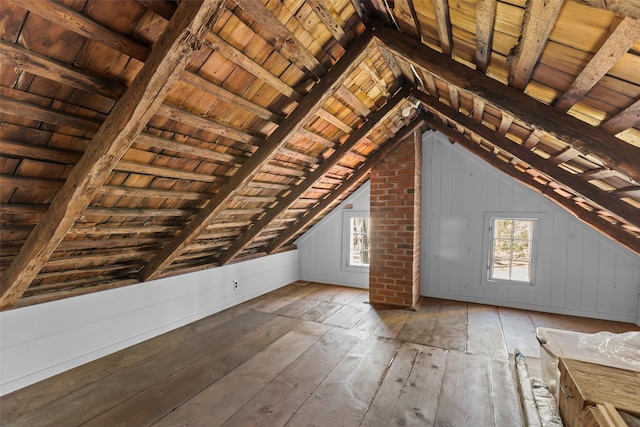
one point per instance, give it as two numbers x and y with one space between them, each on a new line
395 209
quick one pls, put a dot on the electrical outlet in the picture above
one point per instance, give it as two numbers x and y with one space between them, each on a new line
235 284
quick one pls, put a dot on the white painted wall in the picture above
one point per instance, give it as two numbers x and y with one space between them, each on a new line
579 270
320 248
39 341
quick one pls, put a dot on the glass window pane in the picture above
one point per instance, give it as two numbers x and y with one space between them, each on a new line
359 241
502 248
522 250
522 229
503 228
500 269
510 257
520 271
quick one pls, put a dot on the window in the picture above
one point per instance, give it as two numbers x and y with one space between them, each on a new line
357 232
511 244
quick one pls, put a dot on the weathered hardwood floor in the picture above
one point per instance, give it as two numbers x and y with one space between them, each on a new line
307 354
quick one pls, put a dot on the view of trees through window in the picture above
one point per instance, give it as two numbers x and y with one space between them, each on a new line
511 251
359 241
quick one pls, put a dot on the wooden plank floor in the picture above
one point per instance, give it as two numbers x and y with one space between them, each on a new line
307 354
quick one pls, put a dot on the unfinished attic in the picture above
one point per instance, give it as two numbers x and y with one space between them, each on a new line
169 162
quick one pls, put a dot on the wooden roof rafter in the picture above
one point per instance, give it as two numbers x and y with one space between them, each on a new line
250 169
444 26
22 58
362 173
65 67
590 217
312 178
290 43
485 18
576 182
539 19
626 33
542 118
627 118
81 24
125 122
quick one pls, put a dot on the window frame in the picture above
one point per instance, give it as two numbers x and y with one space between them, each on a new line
488 244
346 238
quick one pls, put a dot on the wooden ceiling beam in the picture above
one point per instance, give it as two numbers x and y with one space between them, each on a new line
631 191
627 118
185 117
328 117
121 190
35 63
406 18
330 17
629 8
165 9
292 151
312 136
575 182
164 171
350 99
236 56
615 46
347 185
112 229
541 117
586 216
29 182
266 151
137 212
31 111
127 119
310 180
367 67
36 152
289 42
229 97
485 19
539 19
149 140
80 23
444 26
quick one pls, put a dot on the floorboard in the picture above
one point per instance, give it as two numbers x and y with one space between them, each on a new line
450 330
344 396
307 354
464 400
420 325
218 402
276 403
519 332
484 332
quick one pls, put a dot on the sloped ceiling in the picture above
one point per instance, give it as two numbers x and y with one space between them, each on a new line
143 139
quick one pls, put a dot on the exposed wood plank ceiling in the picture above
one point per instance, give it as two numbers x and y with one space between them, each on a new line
160 137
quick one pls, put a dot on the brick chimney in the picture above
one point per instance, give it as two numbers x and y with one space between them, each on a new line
394 272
